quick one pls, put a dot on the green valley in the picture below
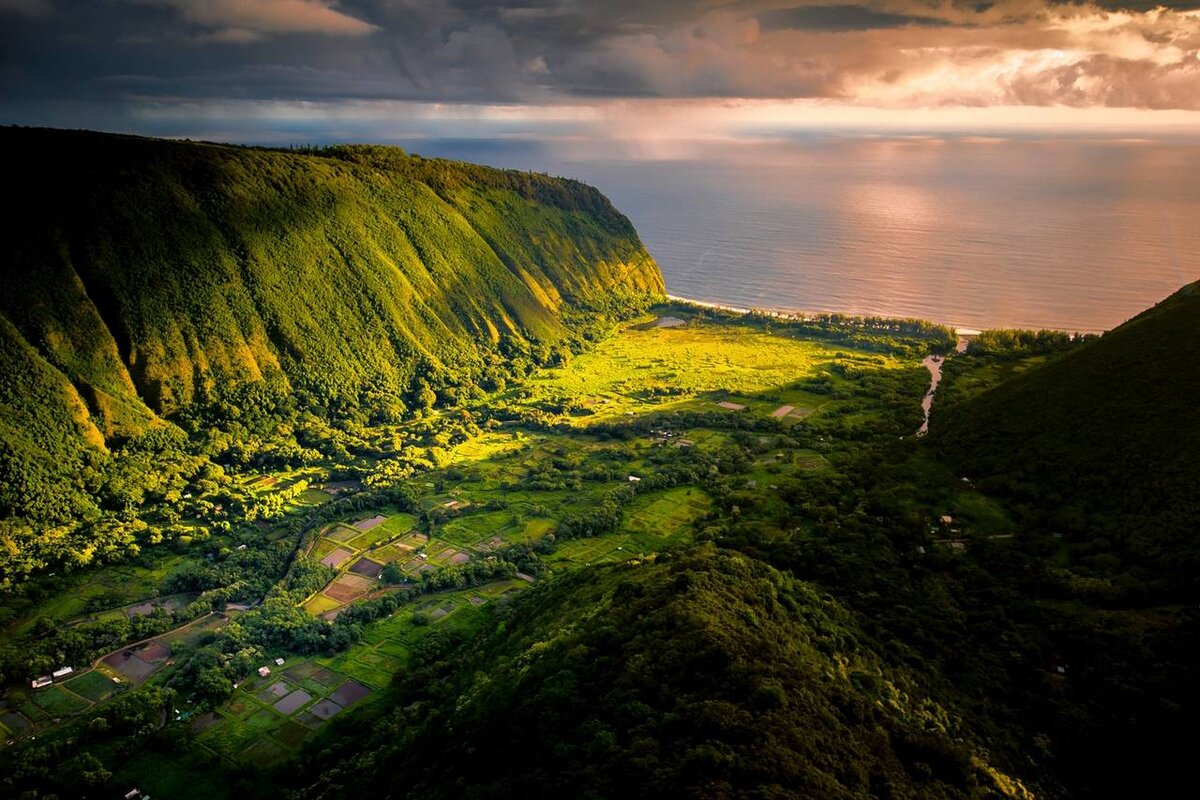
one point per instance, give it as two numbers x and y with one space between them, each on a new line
344 471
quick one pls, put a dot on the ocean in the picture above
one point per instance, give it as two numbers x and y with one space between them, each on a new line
976 232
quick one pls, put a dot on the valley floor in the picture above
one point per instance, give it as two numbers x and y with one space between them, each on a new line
663 435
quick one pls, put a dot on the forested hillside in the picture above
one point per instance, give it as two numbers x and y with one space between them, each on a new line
1101 446
709 675
148 279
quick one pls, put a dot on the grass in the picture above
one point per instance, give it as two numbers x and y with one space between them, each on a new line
378 534
668 515
343 533
652 523
193 634
175 774
490 446
314 497
291 734
364 673
58 701
396 524
93 685
809 460
690 367
319 604
110 586
470 529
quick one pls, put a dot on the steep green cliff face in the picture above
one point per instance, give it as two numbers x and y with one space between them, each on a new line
144 277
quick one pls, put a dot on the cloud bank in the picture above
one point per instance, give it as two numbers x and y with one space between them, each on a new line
58 58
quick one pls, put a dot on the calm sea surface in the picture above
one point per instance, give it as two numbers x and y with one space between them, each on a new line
1059 234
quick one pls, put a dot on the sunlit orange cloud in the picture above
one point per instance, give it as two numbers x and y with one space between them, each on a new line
740 118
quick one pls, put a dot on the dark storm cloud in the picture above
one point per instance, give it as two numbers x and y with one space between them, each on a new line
841 18
57 55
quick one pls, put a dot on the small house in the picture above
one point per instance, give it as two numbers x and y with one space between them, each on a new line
38 683
62 672
279 662
634 479
264 672
947 519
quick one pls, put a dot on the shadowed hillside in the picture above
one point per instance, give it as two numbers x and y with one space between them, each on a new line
711 675
1101 445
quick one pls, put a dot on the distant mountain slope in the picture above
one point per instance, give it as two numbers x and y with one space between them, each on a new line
142 276
1103 443
711 675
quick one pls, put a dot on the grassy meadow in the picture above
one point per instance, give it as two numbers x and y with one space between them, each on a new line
694 367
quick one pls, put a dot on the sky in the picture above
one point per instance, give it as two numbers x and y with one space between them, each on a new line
638 70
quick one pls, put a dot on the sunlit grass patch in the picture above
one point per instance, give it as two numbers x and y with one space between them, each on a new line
322 548
319 604
688 367
313 497
398 524
343 533
472 528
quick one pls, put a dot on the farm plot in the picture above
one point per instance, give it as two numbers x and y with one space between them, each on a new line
652 523
399 523
323 547
93 685
448 556
392 552
471 529
809 460
336 558
58 702
130 667
350 693
342 533
319 604
668 515
15 723
293 702
269 720
367 568
348 587
370 522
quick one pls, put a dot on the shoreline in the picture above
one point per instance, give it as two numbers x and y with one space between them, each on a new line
801 314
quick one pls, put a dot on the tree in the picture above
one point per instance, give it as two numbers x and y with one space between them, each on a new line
426 397
212 686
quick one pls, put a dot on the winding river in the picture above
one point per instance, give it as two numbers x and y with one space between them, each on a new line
934 365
